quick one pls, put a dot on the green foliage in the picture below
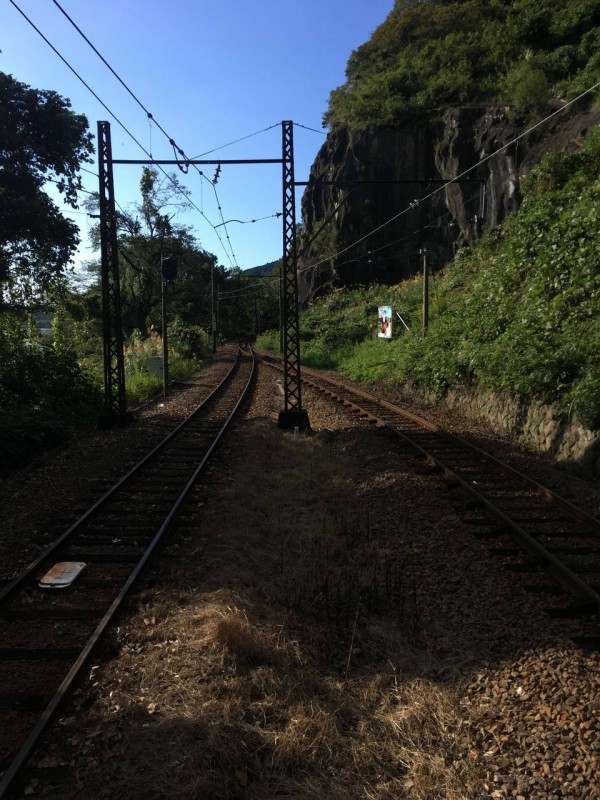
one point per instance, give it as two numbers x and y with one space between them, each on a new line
528 86
39 373
520 311
188 341
269 340
186 345
44 393
41 139
440 53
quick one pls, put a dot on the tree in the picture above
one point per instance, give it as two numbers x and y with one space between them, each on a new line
41 139
146 233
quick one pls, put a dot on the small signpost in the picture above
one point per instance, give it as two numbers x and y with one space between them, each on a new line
384 322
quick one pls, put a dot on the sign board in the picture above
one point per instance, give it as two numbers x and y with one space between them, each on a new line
155 366
169 269
384 322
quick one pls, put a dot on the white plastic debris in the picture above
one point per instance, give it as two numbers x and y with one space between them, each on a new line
62 575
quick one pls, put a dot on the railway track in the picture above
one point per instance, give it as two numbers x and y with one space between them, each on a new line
48 634
555 535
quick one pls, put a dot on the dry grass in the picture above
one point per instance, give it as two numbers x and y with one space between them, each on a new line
294 671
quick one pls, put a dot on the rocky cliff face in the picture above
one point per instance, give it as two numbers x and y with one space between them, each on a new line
392 181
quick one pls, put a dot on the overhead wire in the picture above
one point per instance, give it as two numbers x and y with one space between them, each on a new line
255 289
243 290
235 141
326 222
110 112
306 127
369 253
184 167
89 171
74 71
258 219
268 279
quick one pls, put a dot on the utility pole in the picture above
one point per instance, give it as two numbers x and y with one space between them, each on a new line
165 343
425 291
168 275
212 308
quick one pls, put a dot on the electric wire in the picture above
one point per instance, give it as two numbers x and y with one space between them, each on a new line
326 222
306 128
268 279
369 253
239 293
235 141
78 189
459 176
243 291
112 114
430 224
258 219
103 104
74 71
383 247
184 167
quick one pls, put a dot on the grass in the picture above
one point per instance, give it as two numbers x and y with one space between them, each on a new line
140 384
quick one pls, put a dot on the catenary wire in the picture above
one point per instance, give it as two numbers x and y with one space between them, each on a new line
74 71
306 127
116 118
235 141
177 150
369 253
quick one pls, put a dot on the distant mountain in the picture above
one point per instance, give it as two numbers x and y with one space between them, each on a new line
263 271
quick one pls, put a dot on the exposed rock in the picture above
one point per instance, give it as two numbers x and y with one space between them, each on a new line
401 196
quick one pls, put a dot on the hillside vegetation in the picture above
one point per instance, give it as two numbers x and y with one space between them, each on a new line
519 311
431 54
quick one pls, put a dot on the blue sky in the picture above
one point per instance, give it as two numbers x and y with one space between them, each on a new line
210 72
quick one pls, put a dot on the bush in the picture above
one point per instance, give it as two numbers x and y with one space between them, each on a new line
528 86
45 395
443 53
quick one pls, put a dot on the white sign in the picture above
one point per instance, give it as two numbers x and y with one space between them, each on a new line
384 322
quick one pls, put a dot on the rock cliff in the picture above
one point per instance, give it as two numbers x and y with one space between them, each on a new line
391 181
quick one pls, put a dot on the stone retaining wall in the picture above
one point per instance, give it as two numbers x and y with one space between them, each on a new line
535 425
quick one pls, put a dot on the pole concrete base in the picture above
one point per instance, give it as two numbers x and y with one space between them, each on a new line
293 418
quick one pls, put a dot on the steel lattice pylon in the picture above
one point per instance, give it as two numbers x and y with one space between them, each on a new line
114 374
292 415
114 371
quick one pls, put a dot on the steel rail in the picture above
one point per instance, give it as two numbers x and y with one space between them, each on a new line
24 753
558 568
573 511
99 504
